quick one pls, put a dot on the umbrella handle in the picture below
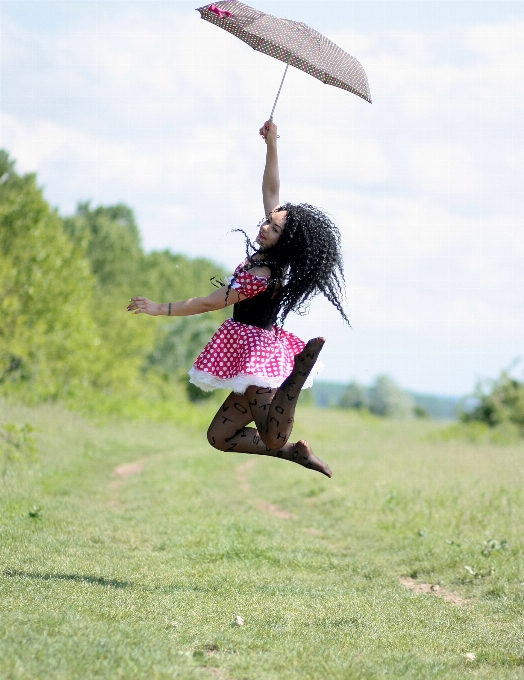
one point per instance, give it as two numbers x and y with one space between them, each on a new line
278 93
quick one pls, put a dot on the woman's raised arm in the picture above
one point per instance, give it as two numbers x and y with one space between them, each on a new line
271 179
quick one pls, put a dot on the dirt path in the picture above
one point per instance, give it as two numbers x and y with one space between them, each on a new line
243 474
274 510
243 481
432 589
124 471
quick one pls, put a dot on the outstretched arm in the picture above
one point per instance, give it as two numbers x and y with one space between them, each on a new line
220 298
271 180
217 300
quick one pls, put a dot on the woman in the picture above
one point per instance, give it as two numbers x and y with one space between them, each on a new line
298 256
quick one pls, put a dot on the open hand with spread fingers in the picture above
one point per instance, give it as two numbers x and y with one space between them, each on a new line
141 305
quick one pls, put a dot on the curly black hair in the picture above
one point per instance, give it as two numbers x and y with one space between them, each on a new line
305 261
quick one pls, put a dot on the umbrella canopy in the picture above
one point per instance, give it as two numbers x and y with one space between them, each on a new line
291 42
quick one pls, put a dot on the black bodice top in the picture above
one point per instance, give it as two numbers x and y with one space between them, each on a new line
261 310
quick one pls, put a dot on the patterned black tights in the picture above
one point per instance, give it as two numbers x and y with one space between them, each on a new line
273 412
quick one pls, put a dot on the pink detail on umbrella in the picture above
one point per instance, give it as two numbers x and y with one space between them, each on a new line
221 12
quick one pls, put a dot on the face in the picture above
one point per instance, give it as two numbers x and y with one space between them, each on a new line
272 228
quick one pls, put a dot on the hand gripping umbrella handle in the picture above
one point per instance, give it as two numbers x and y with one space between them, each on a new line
278 93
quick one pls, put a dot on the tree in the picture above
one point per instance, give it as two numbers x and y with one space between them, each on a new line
111 240
64 285
177 349
179 340
47 335
383 398
355 396
498 402
386 398
167 276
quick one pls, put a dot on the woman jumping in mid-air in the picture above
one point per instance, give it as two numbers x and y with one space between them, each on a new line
298 256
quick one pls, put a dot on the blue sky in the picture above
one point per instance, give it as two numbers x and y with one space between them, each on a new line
142 102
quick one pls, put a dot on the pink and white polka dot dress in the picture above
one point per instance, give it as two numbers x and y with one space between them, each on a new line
239 355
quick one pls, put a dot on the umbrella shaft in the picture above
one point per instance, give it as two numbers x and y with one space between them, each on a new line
278 93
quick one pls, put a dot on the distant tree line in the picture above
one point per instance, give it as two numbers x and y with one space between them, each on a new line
64 286
384 398
496 403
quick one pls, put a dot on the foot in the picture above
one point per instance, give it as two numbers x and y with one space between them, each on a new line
307 358
303 455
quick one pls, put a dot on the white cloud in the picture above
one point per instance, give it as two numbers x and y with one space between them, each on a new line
447 168
419 104
355 161
45 144
503 43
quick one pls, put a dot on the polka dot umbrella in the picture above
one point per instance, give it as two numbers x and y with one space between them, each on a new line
291 42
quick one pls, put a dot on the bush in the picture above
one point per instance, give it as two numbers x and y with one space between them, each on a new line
177 347
420 412
498 403
388 399
15 442
355 397
384 398
48 338
64 285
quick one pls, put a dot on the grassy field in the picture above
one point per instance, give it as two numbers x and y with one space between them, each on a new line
129 549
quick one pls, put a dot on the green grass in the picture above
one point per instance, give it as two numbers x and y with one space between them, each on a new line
144 578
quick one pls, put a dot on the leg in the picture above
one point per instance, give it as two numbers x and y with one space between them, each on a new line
261 402
279 414
228 431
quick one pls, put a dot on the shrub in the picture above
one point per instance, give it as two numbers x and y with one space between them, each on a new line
355 396
498 403
48 338
386 398
64 285
15 442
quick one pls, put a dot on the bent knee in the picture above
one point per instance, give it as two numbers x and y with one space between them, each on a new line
215 441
